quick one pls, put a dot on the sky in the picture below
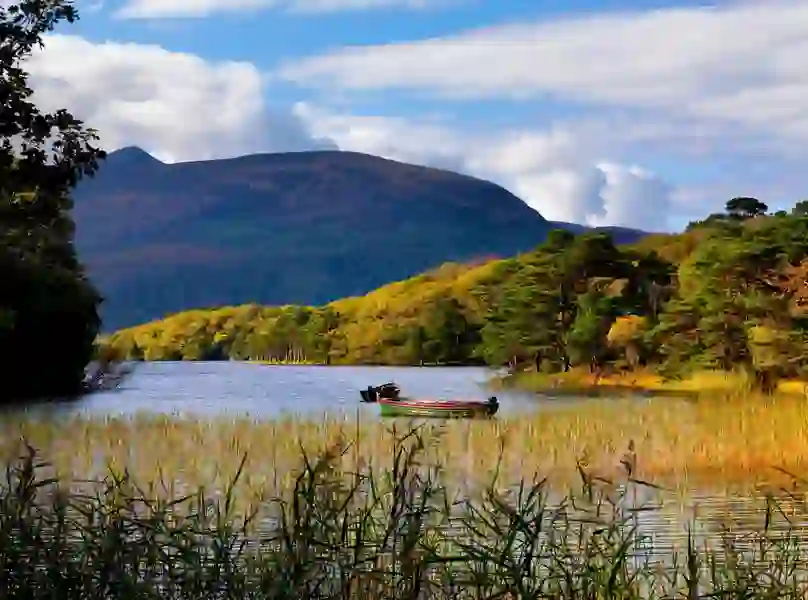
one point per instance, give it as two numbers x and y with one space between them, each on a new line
641 113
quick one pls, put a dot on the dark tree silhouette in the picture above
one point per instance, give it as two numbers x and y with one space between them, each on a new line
744 207
47 305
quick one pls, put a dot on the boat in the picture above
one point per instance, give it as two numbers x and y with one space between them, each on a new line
393 404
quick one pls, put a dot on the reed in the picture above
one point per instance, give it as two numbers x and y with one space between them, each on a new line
677 443
392 532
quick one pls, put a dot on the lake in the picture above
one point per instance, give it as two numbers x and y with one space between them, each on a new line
211 389
267 391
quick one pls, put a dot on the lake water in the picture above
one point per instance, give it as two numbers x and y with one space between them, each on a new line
264 391
267 391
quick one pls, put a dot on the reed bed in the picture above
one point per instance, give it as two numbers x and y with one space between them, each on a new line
676 443
580 381
392 530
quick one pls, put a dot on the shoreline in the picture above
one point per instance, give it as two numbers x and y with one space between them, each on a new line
577 382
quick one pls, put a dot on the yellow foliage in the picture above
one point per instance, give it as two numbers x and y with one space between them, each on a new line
370 327
627 329
674 248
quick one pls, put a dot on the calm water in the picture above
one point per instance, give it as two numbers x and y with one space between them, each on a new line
262 391
266 391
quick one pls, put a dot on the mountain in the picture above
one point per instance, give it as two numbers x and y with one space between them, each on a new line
300 227
621 235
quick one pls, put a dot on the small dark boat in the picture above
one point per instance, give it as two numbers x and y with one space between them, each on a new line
392 404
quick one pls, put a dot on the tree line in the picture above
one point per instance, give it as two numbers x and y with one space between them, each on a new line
729 293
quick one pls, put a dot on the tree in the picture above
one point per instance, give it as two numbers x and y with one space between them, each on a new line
587 338
744 207
800 209
448 335
626 335
50 307
522 326
533 321
415 341
773 352
648 284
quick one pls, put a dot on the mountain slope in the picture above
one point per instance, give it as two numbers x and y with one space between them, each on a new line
304 228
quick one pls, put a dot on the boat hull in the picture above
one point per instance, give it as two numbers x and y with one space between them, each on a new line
434 410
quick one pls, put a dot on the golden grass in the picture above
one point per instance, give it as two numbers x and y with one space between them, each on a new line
700 384
683 444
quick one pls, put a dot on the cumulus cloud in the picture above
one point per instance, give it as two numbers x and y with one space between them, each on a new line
556 172
633 195
740 63
176 106
156 9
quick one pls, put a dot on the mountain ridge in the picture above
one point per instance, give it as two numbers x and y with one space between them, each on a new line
282 228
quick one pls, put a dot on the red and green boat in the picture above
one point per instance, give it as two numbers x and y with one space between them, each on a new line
392 404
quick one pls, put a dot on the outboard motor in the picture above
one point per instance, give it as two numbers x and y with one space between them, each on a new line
493 405
369 395
389 391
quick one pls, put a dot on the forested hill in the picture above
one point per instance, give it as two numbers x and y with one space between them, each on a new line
303 228
730 293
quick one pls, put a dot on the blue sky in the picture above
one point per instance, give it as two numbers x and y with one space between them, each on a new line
644 113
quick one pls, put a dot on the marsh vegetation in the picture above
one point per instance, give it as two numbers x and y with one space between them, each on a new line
386 522
678 443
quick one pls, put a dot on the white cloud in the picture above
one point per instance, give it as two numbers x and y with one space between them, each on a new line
633 195
178 106
741 63
175 105
557 172
156 9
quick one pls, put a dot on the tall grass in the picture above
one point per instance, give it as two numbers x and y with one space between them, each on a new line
579 381
680 443
391 529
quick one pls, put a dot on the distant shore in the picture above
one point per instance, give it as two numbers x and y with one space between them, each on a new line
579 382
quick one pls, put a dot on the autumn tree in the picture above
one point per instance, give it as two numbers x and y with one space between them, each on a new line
48 305
627 337
775 352
729 287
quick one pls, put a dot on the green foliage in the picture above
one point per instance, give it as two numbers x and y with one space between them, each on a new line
587 337
447 336
521 327
46 302
731 297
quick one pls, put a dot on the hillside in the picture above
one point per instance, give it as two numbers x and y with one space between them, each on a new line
385 326
294 228
727 296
